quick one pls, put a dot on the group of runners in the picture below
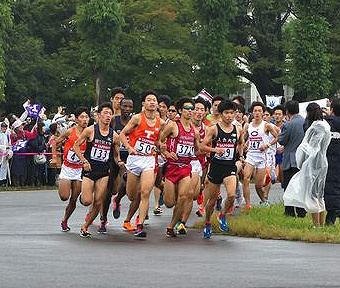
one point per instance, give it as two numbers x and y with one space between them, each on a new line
178 151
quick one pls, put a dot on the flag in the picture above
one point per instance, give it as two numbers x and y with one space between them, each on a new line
42 112
273 101
33 110
205 95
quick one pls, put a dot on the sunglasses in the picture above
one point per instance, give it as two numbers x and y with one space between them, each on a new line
188 107
172 110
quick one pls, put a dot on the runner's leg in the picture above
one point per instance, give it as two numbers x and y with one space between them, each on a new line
248 172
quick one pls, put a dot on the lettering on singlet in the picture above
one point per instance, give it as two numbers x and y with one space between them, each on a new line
227 141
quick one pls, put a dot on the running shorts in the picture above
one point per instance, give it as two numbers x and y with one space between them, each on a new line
218 172
137 164
71 174
196 167
257 161
176 173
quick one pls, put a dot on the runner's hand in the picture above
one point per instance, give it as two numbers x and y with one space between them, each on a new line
132 151
87 166
219 151
170 155
280 149
53 162
263 147
120 163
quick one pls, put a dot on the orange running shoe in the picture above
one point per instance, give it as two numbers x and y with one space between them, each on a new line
128 227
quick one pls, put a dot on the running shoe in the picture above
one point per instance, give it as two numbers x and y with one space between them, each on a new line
177 225
115 209
231 209
161 201
170 232
198 213
247 209
128 227
84 233
265 203
146 221
140 233
223 223
157 211
207 232
181 229
219 204
102 227
200 199
64 226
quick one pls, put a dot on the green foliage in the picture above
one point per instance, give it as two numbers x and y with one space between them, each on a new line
215 53
311 67
5 24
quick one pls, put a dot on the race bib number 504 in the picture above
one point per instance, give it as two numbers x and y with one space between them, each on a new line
144 148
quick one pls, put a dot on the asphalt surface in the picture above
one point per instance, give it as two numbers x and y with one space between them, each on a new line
35 253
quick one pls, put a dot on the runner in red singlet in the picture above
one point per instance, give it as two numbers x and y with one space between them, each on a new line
182 141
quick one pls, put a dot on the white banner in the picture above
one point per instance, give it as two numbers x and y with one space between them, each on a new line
323 103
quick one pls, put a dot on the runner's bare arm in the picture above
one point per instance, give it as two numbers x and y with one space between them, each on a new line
131 125
58 141
274 130
87 133
205 145
198 151
116 156
158 142
167 131
240 138
245 134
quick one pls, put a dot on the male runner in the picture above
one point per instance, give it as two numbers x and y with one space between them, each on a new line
181 140
215 116
96 162
256 155
117 94
143 130
172 112
117 184
70 174
279 114
227 143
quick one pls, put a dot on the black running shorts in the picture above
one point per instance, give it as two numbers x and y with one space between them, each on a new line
218 172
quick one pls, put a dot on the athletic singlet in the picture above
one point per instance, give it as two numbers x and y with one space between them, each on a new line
143 138
270 138
257 137
183 145
228 141
119 127
70 157
98 152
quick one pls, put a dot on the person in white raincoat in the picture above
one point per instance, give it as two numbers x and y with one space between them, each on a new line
5 148
306 188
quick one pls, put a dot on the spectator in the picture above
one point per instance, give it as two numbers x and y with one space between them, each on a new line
306 188
332 186
291 137
5 148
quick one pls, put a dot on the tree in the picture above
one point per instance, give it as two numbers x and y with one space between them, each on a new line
215 52
5 24
99 23
311 67
257 32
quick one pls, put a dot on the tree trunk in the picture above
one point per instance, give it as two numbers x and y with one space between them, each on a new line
98 79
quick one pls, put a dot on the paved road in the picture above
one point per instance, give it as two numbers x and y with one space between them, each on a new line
34 253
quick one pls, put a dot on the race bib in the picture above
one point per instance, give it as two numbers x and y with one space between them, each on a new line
227 155
72 157
185 150
99 154
144 148
254 145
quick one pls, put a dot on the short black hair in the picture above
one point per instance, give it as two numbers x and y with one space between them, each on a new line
53 128
149 92
202 101
117 90
105 105
314 113
257 103
269 110
240 99
226 105
280 107
180 102
80 110
241 108
335 105
165 99
218 98
292 107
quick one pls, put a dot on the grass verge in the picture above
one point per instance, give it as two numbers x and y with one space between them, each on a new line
270 223
28 188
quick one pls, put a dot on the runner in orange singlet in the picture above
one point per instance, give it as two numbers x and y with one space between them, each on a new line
143 130
70 175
